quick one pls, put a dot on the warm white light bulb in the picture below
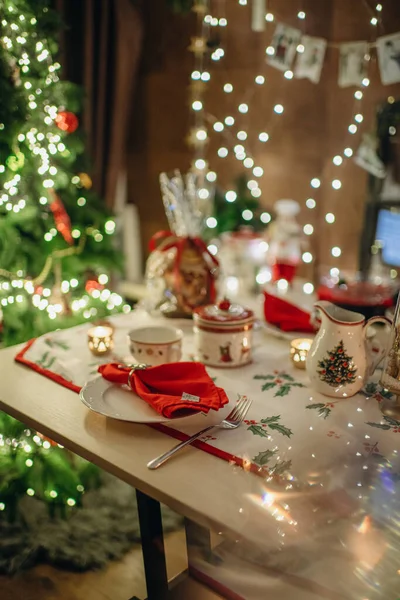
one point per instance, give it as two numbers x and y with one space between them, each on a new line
337 160
222 152
228 88
223 22
378 7
278 108
252 184
196 75
238 148
230 196
308 229
315 182
197 105
270 50
336 184
263 137
247 214
358 95
288 74
310 203
248 162
255 192
258 172
307 257
269 17
211 176
300 48
218 126
203 193
200 164
201 134
243 108
211 222
260 79
353 129
348 152
330 218
308 288
265 217
241 135
374 21
229 121
359 118
301 14
205 76
336 251
365 82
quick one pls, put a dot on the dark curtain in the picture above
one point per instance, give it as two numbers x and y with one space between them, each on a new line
101 48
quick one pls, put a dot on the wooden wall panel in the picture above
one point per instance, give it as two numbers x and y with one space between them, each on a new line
303 140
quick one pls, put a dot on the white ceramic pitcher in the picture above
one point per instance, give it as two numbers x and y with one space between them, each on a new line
339 359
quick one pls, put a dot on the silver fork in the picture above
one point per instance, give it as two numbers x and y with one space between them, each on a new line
232 421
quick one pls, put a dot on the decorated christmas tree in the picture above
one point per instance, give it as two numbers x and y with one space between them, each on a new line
56 245
237 208
337 368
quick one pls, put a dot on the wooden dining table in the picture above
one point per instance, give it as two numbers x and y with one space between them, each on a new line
244 508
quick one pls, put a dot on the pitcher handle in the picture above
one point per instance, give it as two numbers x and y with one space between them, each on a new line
376 351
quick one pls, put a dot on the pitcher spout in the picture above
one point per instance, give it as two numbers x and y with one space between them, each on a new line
338 315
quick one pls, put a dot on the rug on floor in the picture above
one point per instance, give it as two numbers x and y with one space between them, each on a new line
104 529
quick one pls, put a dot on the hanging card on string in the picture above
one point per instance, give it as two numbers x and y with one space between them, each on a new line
353 63
309 63
282 51
388 48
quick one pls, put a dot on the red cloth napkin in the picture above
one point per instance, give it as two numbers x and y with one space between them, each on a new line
285 315
162 387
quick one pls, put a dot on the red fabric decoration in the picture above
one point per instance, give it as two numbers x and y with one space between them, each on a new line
66 121
162 387
285 315
61 219
283 271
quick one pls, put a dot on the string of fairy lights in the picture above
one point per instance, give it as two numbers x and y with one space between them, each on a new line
236 140
45 144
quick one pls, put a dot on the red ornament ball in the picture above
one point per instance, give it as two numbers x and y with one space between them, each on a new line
224 304
66 121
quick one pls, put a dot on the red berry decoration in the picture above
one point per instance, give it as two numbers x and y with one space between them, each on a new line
224 304
66 121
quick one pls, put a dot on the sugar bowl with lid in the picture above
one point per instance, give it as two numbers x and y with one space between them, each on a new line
223 334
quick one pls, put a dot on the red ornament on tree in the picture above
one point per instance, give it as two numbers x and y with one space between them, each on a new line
61 219
66 121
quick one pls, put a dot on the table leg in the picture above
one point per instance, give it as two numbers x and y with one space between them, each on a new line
152 539
198 538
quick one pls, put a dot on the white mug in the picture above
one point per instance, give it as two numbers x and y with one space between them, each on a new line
156 345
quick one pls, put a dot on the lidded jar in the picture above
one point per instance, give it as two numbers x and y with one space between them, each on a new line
223 334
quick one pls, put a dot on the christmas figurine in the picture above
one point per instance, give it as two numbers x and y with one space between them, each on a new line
285 241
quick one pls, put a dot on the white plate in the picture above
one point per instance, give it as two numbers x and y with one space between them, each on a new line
119 402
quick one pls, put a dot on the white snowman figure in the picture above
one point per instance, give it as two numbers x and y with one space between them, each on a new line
285 241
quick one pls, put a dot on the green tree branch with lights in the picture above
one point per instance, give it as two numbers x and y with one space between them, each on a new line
56 238
55 234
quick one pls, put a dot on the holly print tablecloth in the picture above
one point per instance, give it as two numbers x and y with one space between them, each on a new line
288 424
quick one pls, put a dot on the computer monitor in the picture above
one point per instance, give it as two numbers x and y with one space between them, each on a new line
388 233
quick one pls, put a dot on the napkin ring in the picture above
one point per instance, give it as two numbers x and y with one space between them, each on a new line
137 367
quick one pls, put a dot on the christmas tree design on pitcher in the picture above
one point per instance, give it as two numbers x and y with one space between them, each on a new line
336 368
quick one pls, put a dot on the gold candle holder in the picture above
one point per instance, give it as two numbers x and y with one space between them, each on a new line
100 340
299 349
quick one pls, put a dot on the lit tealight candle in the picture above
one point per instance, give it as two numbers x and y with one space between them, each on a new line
100 340
299 349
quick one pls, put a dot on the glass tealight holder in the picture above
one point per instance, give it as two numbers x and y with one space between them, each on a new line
390 378
100 340
299 349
